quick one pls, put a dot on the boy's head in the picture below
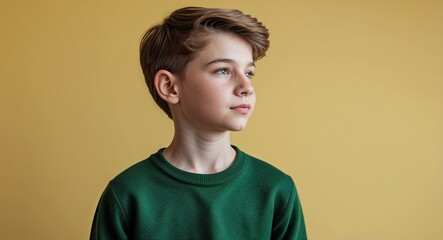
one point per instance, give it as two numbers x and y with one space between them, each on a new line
172 44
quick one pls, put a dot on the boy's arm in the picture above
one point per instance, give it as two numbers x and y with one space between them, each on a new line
291 224
110 220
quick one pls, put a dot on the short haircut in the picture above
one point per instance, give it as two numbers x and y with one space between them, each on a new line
172 44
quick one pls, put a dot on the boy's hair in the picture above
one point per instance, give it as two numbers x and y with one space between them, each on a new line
172 44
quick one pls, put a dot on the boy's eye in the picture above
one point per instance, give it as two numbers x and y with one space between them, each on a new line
249 74
223 71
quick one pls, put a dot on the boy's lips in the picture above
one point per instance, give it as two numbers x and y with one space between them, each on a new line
242 108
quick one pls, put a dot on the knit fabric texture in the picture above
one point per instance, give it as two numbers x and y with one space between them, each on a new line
155 200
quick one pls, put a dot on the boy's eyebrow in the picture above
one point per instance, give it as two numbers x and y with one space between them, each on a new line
226 60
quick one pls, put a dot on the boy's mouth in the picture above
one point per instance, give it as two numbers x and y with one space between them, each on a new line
242 108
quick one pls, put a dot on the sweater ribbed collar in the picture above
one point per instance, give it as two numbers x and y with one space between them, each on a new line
238 165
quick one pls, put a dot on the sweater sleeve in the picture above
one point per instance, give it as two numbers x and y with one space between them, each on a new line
290 224
110 220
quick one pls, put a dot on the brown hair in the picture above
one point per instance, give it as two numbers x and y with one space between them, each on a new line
173 43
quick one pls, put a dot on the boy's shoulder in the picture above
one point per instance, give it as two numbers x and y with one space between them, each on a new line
266 172
140 173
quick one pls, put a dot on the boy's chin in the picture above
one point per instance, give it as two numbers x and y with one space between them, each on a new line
238 127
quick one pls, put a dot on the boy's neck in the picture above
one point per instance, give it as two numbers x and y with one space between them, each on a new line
201 153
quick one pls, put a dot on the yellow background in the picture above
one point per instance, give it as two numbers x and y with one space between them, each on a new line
350 103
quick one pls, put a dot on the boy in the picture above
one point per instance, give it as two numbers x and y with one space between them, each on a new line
198 66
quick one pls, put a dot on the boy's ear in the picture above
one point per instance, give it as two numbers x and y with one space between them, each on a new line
165 85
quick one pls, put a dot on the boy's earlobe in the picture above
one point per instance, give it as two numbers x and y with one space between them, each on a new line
165 85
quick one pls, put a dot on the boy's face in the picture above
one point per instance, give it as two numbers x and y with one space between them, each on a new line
216 93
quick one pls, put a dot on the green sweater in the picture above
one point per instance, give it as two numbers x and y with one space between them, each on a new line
155 200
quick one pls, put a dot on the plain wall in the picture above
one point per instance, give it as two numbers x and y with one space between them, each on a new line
350 104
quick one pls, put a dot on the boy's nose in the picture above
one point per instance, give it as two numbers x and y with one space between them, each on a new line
247 91
244 87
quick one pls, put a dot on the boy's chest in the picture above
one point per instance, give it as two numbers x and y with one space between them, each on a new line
199 213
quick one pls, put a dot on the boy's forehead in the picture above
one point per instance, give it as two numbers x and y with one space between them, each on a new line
226 47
